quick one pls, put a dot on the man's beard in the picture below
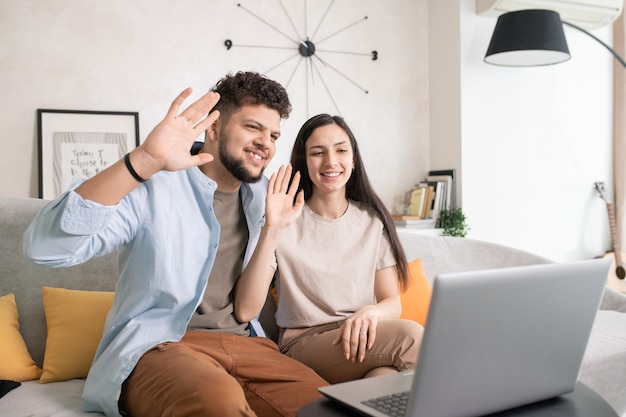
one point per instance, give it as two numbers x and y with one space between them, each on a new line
235 166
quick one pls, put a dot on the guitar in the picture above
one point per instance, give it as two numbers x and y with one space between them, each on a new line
617 273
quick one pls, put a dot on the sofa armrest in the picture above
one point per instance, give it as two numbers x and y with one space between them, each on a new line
613 300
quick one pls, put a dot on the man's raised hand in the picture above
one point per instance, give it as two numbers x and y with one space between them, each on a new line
168 144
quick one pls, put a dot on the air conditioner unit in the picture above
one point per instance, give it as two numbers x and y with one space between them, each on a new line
589 14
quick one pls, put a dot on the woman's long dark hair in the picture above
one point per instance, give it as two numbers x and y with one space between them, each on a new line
358 187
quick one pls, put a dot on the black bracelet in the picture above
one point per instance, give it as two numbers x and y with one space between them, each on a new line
131 169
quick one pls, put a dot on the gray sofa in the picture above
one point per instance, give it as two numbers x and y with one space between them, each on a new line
604 367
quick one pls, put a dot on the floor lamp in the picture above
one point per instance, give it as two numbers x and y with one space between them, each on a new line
533 38
526 38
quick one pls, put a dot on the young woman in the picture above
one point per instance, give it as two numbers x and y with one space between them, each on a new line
341 266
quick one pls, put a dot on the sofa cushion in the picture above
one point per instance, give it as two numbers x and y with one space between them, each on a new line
32 399
75 321
15 362
604 366
416 299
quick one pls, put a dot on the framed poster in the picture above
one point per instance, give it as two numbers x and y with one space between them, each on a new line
79 144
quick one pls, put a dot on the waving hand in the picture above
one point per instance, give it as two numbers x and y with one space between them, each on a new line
282 206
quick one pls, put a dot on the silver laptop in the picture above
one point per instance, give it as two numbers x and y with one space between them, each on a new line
494 340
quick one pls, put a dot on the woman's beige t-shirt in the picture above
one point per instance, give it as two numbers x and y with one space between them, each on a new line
326 267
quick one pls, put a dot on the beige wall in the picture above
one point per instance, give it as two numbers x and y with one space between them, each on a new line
137 55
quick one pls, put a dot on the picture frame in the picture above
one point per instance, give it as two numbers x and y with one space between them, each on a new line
81 143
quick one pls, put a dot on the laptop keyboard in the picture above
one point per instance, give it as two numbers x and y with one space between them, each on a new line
393 405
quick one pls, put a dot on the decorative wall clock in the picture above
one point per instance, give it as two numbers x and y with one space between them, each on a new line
307 53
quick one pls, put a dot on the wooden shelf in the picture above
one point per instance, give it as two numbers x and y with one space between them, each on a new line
422 231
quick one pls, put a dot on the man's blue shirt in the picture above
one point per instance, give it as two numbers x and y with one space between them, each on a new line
167 235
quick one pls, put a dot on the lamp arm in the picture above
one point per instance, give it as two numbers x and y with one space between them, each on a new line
611 50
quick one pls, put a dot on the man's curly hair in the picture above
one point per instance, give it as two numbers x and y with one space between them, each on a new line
250 88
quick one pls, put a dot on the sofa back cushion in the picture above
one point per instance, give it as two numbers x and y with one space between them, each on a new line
21 277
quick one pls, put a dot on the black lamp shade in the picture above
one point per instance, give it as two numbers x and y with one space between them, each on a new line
528 38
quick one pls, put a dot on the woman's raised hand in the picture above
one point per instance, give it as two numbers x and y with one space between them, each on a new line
282 205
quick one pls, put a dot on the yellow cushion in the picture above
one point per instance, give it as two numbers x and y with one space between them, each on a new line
416 299
16 364
75 321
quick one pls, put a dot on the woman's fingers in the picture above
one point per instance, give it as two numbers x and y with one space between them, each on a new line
371 337
280 176
358 337
272 183
355 340
293 188
285 180
280 182
355 343
362 344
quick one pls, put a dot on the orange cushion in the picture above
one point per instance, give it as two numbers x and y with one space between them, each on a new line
16 364
416 299
75 321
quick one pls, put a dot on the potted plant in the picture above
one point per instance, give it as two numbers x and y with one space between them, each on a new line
453 222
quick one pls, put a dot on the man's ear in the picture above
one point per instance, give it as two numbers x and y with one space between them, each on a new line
212 131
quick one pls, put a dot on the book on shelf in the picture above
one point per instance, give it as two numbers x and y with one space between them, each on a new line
416 201
431 196
439 200
445 182
442 196
450 176
426 200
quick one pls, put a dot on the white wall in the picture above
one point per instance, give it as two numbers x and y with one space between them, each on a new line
119 55
534 142
529 143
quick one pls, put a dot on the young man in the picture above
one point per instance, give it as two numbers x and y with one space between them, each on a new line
176 339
